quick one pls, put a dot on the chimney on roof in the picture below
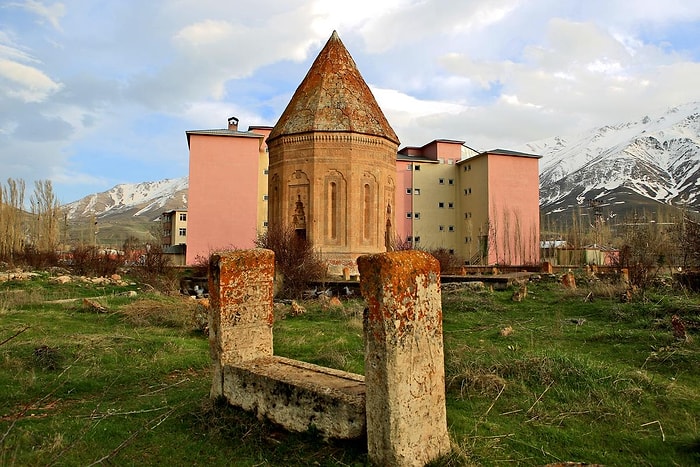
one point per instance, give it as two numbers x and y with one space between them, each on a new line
233 123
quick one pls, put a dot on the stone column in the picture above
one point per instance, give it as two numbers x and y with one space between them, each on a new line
241 313
404 358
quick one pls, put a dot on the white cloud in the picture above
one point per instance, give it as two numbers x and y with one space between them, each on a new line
25 82
205 33
391 99
50 13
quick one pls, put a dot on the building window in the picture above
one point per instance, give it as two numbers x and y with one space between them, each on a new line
441 204
416 191
467 167
266 171
451 228
265 197
441 227
451 205
467 239
451 181
452 251
450 161
441 181
183 216
417 167
182 231
416 239
408 191
467 191
467 215
264 223
442 161
409 215
409 239
416 215
409 166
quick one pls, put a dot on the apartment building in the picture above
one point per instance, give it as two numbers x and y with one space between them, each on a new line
174 228
227 195
482 207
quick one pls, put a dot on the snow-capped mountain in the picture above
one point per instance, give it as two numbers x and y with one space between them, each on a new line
623 166
145 200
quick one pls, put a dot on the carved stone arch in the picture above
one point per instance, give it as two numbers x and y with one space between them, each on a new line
370 203
274 215
335 208
298 204
389 200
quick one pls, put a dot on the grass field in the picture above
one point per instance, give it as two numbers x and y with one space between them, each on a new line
561 376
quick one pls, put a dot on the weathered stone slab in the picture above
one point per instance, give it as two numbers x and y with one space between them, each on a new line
241 313
404 359
299 395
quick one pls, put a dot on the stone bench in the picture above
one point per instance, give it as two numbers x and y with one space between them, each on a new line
299 395
400 402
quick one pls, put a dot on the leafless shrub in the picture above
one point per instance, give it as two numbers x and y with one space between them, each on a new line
448 261
90 260
154 269
295 259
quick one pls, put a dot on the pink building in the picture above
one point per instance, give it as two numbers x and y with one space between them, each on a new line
227 196
482 207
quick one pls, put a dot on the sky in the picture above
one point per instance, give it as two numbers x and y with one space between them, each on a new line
98 93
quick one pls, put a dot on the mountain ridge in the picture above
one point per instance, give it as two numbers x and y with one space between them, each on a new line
652 159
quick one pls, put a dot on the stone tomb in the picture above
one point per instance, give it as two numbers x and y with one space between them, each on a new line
400 402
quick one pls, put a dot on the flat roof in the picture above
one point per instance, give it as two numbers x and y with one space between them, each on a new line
223 132
501 152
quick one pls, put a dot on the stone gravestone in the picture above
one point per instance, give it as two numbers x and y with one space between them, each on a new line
404 358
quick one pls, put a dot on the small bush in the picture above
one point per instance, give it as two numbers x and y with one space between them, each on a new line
448 261
90 260
295 259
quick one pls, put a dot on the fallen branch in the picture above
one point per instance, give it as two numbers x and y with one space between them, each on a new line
94 415
538 399
494 401
160 419
13 336
164 388
663 436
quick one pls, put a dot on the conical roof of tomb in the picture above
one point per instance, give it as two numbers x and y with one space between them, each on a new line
333 97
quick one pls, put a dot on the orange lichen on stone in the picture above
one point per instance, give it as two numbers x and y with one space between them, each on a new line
241 300
333 97
404 368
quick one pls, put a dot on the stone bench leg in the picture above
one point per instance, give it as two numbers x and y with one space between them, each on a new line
241 317
404 359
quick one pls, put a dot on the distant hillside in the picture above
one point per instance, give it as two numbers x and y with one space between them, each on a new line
648 163
123 211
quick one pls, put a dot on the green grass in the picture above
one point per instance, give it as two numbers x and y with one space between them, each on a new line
561 376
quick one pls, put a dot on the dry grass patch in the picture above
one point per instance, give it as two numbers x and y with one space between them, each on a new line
173 312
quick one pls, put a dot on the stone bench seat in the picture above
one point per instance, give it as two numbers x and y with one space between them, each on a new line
299 395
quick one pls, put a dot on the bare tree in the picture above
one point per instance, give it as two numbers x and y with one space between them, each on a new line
47 214
11 231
